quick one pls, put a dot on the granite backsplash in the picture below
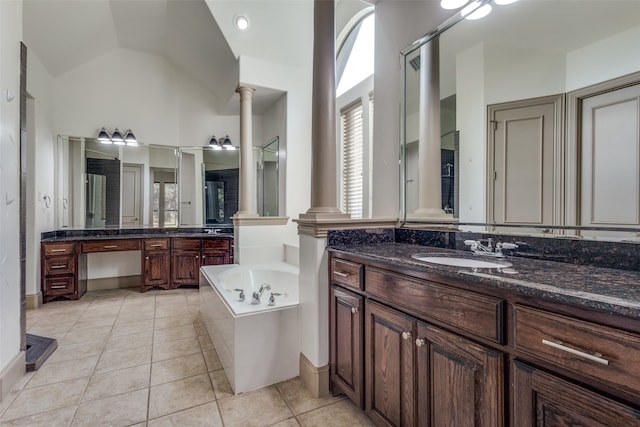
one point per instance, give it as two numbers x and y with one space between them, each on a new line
597 253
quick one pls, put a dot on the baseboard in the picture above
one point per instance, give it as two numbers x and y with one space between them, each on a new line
13 373
315 379
113 283
34 301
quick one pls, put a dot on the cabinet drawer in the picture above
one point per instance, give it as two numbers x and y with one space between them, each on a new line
56 266
479 314
347 273
180 243
597 351
52 249
59 285
215 244
156 244
110 245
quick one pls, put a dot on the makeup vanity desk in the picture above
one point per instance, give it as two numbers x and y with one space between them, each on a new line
170 258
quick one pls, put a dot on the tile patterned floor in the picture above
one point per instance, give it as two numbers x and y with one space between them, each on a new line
126 358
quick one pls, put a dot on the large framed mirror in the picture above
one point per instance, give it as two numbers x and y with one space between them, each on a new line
512 91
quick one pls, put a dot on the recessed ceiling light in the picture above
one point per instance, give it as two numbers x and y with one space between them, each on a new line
241 22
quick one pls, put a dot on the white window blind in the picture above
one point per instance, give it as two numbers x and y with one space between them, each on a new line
352 146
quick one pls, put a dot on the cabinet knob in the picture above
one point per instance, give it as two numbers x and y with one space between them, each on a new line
406 335
420 342
354 310
146 257
197 256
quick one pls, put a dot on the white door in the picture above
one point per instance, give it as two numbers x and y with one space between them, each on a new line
131 195
523 144
610 159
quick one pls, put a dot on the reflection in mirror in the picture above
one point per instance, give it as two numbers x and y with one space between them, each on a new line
163 190
102 196
267 176
506 83
221 172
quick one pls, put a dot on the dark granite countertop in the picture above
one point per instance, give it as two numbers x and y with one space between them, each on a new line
603 289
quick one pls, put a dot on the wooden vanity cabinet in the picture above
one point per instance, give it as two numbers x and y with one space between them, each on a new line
156 265
59 271
185 261
217 251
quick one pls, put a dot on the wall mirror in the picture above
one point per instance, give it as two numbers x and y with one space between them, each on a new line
267 178
513 156
221 175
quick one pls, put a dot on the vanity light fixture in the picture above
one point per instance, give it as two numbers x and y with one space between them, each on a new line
222 143
116 137
241 22
476 11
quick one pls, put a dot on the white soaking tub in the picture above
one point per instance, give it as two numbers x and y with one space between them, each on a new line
258 344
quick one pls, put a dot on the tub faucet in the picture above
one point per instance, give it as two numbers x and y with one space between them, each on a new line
255 298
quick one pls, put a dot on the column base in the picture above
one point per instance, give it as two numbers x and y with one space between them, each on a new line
324 214
430 214
315 380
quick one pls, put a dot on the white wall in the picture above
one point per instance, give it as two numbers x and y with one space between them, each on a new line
10 36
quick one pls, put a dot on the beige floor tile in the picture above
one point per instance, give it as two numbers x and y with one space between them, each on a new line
117 382
66 352
93 322
176 369
201 329
50 329
221 385
128 316
56 417
171 299
121 359
127 342
85 335
175 396
258 408
300 399
291 422
205 343
203 415
51 373
212 360
172 311
173 349
173 334
172 321
41 399
339 414
121 410
126 327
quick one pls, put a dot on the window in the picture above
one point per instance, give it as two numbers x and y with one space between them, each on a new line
352 165
354 92
165 200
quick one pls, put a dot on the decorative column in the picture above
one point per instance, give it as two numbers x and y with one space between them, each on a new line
247 196
323 117
429 145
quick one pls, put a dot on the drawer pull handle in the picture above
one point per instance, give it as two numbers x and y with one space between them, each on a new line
354 310
420 342
58 250
156 245
56 267
58 286
110 246
341 274
593 357
406 335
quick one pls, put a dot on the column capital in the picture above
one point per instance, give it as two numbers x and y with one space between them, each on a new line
244 89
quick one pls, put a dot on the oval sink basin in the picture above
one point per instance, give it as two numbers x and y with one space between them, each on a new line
460 262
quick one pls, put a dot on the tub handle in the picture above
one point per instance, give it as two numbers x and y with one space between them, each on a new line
241 296
272 298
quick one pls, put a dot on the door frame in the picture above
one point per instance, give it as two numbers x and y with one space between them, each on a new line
558 102
574 139
139 191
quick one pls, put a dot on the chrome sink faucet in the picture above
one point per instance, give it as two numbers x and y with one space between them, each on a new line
496 251
255 298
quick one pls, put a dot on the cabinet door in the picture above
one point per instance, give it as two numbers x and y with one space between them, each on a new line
185 266
215 257
460 383
156 269
389 373
347 364
541 399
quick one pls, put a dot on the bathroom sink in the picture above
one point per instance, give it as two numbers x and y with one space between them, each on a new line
460 262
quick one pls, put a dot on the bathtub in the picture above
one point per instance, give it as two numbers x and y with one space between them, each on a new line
258 344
